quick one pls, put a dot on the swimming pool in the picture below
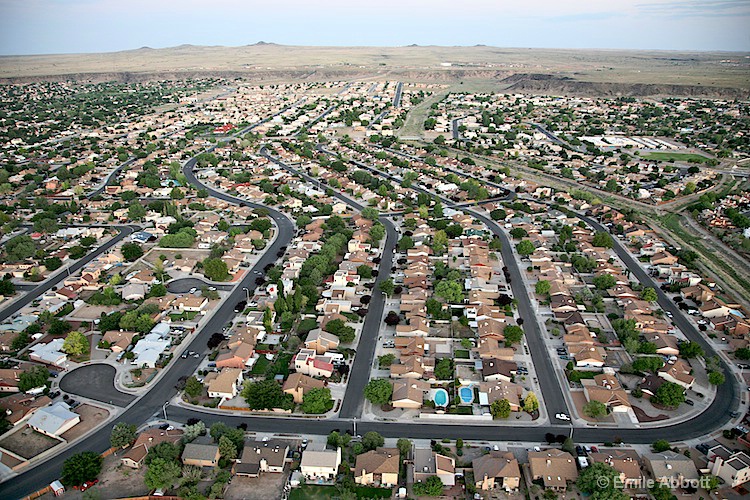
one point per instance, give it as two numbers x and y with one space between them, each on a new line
466 393
440 397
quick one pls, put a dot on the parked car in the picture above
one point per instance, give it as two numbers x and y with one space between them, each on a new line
562 416
690 402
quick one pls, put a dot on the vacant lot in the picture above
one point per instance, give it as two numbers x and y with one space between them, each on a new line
91 416
115 481
252 488
28 443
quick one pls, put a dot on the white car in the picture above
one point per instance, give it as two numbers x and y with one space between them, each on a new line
193 290
562 416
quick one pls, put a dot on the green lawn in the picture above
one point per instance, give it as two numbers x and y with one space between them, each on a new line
259 368
461 354
185 316
675 157
310 492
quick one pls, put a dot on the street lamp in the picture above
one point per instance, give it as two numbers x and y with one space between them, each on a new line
164 409
247 293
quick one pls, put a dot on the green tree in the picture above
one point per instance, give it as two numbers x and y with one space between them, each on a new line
602 239
19 248
661 492
605 281
176 194
317 401
405 243
386 360
669 394
450 290
513 334
525 248
215 270
227 449
162 474
52 263
364 271
136 211
404 447
500 408
649 294
600 481
80 468
595 409
33 378
387 287
75 344
716 378
444 369
193 388
430 487
378 391
518 233
372 440
660 446
166 451
690 350
132 251
266 394
530 403
370 213
498 214
543 287
122 435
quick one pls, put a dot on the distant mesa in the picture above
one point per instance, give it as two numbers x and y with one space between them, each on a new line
262 43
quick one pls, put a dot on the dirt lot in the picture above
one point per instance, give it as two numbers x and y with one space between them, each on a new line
91 416
260 488
115 481
28 443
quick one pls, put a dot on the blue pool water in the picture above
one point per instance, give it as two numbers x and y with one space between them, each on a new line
466 394
441 397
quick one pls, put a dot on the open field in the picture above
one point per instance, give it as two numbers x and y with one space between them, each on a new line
686 157
570 68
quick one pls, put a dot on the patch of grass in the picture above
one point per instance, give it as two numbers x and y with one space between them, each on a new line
259 368
185 316
461 354
311 492
687 157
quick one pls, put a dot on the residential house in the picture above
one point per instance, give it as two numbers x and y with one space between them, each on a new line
496 470
262 456
224 385
669 467
679 373
320 465
556 468
201 452
146 440
731 466
321 341
429 463
54 420
497 369
299 384
378 467
625 461
18 407
409 393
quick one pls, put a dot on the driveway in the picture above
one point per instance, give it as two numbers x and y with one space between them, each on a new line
97 382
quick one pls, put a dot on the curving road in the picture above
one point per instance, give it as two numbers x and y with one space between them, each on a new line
351 406
73 268
150 405
95 381
163 389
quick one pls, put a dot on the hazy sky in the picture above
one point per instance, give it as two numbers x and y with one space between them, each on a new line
59 26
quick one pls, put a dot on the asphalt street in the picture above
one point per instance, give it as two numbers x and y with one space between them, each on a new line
95 382
359 374
151 404
184 285
42 288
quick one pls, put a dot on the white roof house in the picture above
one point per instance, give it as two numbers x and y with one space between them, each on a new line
320 464
50 353
162 329
54 420
148 350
